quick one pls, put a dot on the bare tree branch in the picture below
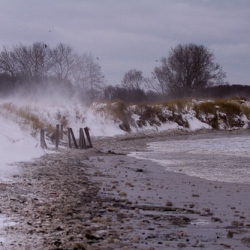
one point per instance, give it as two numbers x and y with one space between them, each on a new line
187 69
87 73
133 79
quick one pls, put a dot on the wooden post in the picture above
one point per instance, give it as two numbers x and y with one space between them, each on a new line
44 142
82 142
73 137
80 138
42 139
69 138
88 136
57 135
61 132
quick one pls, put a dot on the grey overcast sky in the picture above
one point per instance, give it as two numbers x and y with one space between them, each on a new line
133 34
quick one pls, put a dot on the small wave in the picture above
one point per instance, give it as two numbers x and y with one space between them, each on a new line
213 158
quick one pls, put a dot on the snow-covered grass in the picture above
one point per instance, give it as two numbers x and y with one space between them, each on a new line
21 121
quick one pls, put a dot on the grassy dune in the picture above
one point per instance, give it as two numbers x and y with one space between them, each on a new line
219 114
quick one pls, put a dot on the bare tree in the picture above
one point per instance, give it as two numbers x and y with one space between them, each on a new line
31 60
60 65
156 85
87 74
8 65
22 60
62 61
187 69
133 79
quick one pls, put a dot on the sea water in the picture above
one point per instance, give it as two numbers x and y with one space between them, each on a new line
217 157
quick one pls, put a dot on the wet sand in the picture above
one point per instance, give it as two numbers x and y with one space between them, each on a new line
101 198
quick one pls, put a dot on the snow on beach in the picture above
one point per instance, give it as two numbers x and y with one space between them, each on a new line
20 123
16 145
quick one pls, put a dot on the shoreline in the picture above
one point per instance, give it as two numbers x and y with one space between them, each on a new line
101 198
220 208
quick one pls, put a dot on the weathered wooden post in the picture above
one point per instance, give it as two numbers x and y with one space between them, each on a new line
69 138
73 137
80 139
88 137
61 132
42 139
83 140
57 135
82 143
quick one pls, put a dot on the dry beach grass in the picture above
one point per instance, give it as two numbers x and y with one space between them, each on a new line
101 198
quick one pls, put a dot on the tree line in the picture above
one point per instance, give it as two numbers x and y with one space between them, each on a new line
189 70
39 63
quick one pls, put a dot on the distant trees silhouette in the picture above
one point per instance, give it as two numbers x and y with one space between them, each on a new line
225 91
39 64
133 79
189 71
114 93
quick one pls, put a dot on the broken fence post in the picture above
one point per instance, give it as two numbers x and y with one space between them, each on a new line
88 137
80 139
69 138
42 139
57 135
82 142
73 137
61 132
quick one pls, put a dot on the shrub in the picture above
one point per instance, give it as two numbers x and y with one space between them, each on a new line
120 111
150 113
205 108
228 107
176 105
229 111
246 111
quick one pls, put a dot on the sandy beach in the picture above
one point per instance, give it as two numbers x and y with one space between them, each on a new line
101 198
